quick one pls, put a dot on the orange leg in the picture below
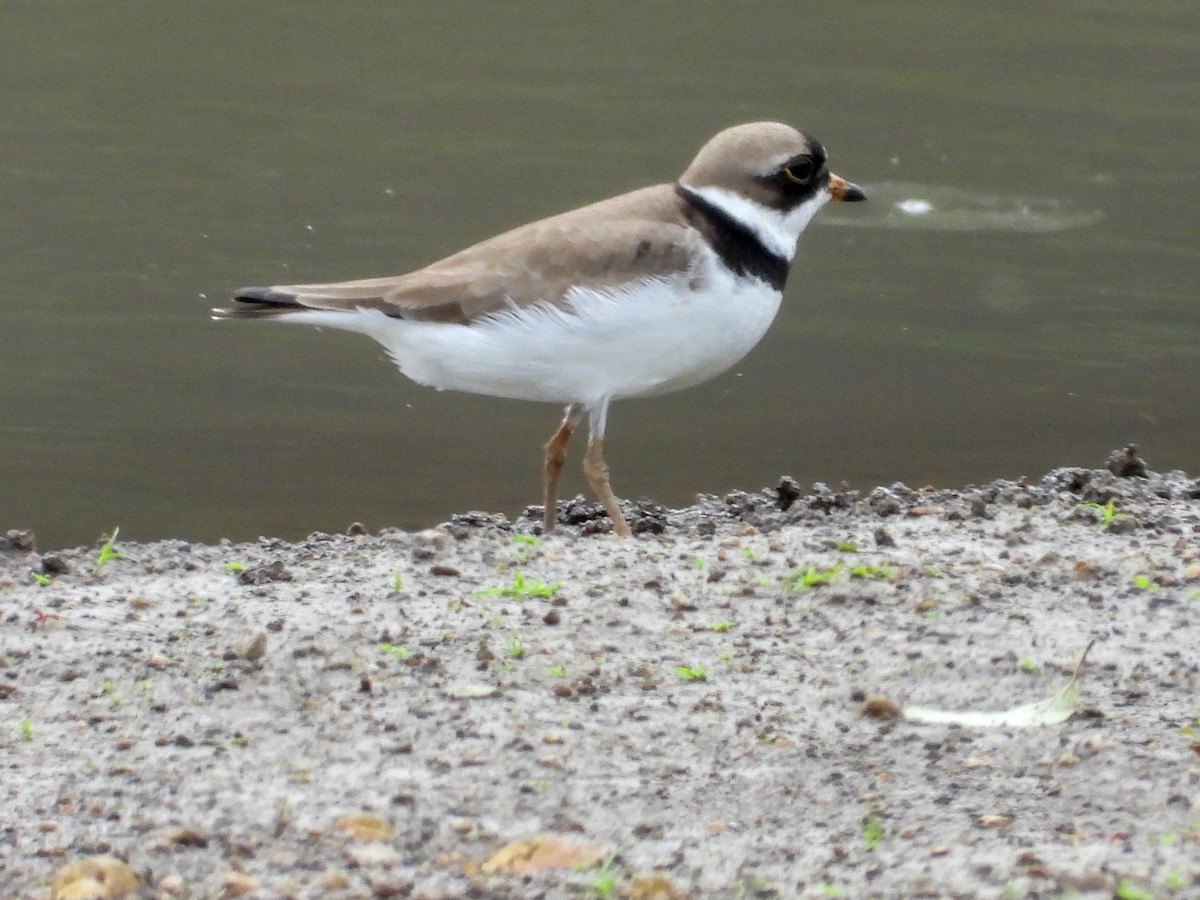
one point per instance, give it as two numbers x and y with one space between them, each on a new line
596 470
556 457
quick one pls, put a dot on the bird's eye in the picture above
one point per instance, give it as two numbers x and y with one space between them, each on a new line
799 171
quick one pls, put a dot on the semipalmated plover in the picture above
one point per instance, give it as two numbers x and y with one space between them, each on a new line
645 293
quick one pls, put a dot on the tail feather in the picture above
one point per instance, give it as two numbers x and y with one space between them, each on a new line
259 303
284 300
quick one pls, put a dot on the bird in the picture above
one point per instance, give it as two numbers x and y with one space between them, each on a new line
645 293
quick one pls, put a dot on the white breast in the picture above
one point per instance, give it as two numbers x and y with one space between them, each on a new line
651 337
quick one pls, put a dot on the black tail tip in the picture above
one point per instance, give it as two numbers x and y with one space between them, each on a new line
269 296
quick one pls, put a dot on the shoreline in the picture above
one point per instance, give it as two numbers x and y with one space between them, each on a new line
378 715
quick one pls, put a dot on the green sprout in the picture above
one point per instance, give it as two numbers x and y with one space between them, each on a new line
41 577
692 673
873 832
604 882
556 671
1028 664
397 650
513 647
865 571
1143 582
107 552
807 578
847 546
234 567
1127 890
25 727
521 587
529 539
721 625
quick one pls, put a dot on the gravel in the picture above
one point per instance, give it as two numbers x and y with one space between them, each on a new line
709 709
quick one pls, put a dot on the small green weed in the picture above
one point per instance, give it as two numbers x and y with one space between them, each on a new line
720 625
513 646
522 587
1028 664
865 571
556 671
1143 582
41 577
847 546
397 650
604 882
108 551
25 728
234 567
1127 890
873 832
692 673
529 539
807 578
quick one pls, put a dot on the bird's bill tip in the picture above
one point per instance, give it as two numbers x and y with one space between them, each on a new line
846 191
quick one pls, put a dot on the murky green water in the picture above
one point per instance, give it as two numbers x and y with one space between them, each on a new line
1021 291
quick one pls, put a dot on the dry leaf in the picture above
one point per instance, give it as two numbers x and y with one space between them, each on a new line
235 884
93 878
364 827
655 886
547 851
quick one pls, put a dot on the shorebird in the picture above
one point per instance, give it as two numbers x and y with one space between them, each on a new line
645 293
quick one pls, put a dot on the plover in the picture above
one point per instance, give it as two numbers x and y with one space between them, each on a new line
644 293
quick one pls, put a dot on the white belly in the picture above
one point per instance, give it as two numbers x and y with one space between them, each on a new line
648 340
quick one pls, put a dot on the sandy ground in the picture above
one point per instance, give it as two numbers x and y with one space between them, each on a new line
376 715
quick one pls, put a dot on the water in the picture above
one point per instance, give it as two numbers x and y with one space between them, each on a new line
1019 293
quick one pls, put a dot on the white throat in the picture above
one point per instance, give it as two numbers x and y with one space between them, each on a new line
779 231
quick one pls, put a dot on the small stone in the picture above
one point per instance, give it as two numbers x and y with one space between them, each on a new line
254 649
333 880
237 884
53 564
879 707
1126 463
373 856
264 574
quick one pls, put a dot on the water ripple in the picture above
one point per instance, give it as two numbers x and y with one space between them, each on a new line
929 207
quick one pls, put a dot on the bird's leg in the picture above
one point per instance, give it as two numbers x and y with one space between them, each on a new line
556 457
596 470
